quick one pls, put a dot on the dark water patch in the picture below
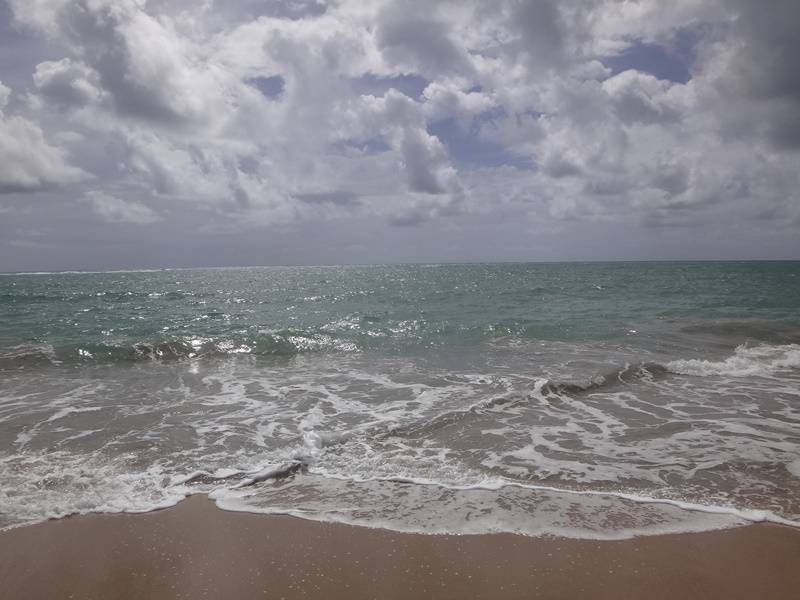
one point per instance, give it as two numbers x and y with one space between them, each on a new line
741 331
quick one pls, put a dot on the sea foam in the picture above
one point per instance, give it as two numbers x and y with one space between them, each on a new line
764 360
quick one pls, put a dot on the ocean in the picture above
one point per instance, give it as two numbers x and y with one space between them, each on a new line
592 400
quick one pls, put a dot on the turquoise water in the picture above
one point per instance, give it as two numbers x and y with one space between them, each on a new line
588 400
89 317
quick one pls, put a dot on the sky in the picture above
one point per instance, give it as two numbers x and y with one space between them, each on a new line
163 133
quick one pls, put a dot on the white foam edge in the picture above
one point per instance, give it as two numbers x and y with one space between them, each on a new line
101 510
266 472
746 515
234 504
226 498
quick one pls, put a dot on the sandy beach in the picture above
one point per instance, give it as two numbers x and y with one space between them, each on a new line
195 550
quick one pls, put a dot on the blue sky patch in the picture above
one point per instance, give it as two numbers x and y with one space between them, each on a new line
271 87
672 63
466 147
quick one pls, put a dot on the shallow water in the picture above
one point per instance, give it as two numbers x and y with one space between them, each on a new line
587 400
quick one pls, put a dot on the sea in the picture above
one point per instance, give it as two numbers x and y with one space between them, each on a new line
584 400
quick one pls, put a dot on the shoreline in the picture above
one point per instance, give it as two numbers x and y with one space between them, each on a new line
196 550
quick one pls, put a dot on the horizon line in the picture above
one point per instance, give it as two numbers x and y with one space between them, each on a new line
394 264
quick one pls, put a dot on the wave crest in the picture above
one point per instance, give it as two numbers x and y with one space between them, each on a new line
284 343
757 361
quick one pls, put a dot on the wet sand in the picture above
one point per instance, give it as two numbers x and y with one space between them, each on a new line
198 551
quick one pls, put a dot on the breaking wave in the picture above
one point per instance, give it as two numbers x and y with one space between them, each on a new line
284 343
764 360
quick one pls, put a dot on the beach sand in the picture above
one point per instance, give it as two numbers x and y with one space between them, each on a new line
195 550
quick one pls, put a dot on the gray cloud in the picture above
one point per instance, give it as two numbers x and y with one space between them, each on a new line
67 83
336 198
135 56
543 30
422 154
530 116
769 67
115 210
28 162
419 43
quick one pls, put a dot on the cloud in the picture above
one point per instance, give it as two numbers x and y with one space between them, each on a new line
336 198
426 163
5 94
542 26
115 210
27 161
419 43
274 115
67 83
442 101
640 97
763 67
